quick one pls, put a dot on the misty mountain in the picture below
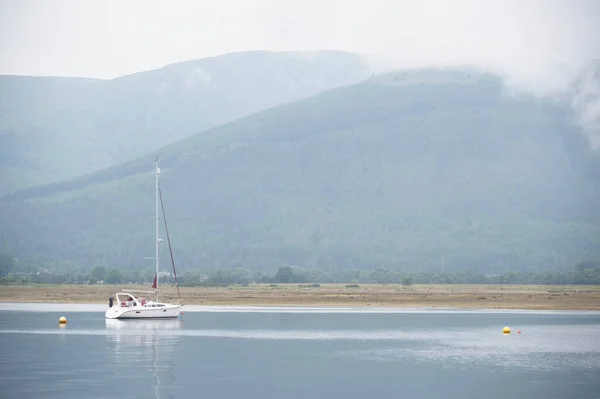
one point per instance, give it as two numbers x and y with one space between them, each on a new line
413 170
52 129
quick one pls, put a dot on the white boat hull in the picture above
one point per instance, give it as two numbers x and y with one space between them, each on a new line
167 312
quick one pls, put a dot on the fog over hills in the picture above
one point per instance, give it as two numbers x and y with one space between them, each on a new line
56 128
407 171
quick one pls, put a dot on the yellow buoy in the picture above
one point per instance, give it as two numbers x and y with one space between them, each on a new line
506 330
62 320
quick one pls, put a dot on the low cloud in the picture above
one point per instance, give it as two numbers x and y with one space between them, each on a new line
537 45
586 103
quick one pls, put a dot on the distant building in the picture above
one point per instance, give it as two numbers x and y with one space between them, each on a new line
45 271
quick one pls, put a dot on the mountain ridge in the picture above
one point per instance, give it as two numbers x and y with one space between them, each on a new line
105 122
373 175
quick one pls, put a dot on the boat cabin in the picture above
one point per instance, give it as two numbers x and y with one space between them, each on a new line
126 300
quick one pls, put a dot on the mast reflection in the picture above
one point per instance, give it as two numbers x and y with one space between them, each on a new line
147 345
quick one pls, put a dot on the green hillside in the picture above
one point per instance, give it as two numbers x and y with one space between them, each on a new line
413 170
52 129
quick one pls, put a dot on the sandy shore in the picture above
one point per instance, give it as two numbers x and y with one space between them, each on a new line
427 296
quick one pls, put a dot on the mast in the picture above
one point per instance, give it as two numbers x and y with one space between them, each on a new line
157 172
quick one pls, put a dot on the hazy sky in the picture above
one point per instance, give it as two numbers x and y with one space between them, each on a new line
531 39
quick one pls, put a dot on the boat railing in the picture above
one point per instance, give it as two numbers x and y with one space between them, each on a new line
125 291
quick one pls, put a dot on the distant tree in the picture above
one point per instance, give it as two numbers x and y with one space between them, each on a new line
6 264
284 275
408 280
221 276
511 278
581 266
191 277
98 274
114 276
241 275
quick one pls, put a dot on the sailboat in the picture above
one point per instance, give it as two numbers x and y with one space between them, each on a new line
133 304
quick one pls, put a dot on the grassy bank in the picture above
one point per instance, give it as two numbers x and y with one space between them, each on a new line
536 297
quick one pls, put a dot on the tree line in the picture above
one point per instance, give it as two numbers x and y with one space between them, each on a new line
584 273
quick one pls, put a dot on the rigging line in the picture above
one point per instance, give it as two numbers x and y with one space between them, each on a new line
155 364
169 241
138 227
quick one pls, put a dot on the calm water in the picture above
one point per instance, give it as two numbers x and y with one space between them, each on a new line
282 353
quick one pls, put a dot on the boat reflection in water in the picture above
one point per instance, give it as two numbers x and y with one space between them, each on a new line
140 346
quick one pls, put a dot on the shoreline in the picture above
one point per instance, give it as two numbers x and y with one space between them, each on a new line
63 308
387 296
